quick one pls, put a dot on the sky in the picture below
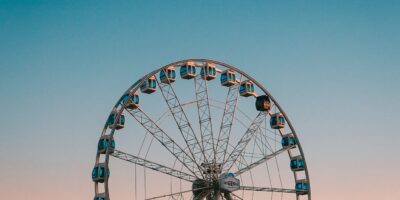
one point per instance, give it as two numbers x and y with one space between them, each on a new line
334 67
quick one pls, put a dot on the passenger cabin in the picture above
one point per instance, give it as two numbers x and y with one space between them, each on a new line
188 71
168 75
263 103
297 163
302 187
246 88
106 142
100 197
99 173
116 121
208 72
131 102
277 121
149 86
288 141
228 78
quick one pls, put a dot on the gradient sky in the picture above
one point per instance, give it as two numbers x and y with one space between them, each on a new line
334 66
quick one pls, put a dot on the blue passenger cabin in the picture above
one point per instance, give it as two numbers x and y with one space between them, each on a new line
168 75
246 88
116 121
100 197
263 103
106 142
302 187
188 70
149 86
208 72
277 121
131 102
99 173
288 141
228 78
297 163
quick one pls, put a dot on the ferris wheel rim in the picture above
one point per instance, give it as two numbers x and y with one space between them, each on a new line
135 87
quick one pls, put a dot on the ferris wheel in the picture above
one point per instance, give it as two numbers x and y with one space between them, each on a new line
199 129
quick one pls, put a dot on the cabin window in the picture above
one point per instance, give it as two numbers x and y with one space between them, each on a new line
273 120
223 77
101 172
122 119
242 88
294 164
101 144
285 142
94 172
171 73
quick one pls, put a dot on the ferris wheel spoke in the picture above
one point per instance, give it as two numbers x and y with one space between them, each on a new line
266 189
204 113
179 193
182 122
259 162
153 165
241 145
226 122
164 139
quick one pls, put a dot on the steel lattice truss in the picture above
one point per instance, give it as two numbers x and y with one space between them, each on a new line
203 106
227 122
154 166
250 188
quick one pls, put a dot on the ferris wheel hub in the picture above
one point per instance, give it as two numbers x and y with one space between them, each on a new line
211 168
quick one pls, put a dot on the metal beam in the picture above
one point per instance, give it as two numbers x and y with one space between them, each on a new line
154 166
262 160
204 113
226 123
264 189
177 193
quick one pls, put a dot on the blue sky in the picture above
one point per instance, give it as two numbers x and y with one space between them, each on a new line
334 66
